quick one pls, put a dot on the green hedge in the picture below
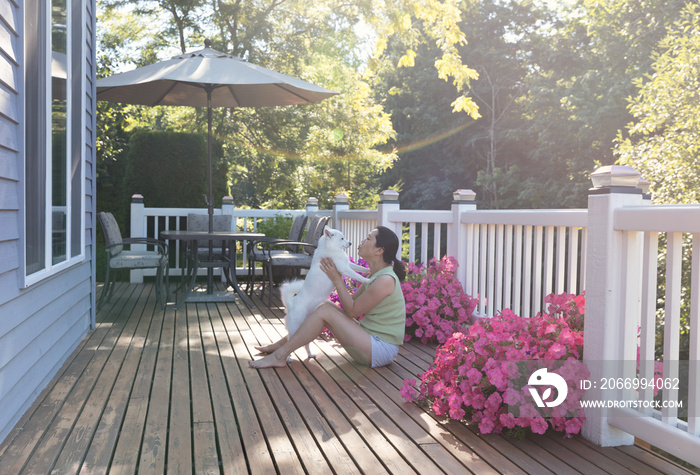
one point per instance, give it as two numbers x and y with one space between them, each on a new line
170 169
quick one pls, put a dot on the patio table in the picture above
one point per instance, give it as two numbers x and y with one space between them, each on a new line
227 262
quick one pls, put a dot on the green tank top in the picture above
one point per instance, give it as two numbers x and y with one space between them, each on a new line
387 319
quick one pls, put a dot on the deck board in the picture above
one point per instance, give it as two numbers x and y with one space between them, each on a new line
165 391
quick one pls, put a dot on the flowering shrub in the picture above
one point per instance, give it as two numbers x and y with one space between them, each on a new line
481 375
436 305
570 307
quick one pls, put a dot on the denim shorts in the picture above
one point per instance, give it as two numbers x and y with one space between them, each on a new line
383 353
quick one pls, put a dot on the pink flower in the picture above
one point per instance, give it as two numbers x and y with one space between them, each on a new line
573 425
486 425
538 425
477 373
408 390
511 397
507 419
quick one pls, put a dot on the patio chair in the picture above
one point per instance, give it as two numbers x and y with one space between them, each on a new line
276 258
257 254
120 258
200 222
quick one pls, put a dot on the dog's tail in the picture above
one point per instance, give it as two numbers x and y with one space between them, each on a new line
289 290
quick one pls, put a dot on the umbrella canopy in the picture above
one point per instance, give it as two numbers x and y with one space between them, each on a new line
185 79
208 78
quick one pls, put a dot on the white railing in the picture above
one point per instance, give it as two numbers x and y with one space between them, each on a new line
508 259
150 222
513 259
355 225
650 235
627 239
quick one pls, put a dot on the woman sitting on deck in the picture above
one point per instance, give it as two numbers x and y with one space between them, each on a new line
375 340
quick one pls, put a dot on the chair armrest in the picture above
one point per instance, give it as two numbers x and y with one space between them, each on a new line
267 249
162 245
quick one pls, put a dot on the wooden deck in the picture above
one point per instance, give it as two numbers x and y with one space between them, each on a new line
155 391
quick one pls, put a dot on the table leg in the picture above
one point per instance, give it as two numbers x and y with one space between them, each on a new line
232 275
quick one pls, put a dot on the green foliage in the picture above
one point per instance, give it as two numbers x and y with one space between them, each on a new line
552 95
276 228
551 83
664 142
276 157
170 169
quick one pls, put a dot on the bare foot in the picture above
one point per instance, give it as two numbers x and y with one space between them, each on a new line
266 350
270 361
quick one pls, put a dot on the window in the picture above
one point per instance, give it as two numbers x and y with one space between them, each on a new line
54 172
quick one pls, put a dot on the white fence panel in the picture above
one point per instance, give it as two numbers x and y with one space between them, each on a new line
150 222
429 243
355 225
663 234
516 258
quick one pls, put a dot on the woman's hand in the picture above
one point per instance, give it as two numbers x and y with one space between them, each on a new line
328 267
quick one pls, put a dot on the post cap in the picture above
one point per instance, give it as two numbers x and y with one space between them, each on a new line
137 198
615 176
389 195
644 185
341 198
312 201
464 195
227 200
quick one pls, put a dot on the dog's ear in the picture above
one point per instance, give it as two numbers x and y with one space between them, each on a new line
327 231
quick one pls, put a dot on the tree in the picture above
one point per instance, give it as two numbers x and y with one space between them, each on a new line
581 72
664 141
440 150
269 148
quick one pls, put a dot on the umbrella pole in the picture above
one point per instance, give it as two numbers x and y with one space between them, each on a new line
210 204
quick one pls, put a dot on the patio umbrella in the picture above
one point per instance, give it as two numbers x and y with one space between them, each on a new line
208 78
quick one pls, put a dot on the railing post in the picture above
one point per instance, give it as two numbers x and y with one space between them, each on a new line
389 201
341 204
644 185
463 200
311 206
605 350
227 207
138 209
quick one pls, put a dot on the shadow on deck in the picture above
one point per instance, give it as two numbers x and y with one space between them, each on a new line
153 390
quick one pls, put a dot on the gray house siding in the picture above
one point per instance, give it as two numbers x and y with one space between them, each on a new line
41 324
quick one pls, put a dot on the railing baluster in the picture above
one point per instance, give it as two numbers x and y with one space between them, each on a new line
572 282
527 271
672 322
484 243
412 242
508 277
560 271
548 263
648 315
518 270
537 274
694 344
424 242
498 302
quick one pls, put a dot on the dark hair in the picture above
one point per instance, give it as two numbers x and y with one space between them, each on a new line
387 240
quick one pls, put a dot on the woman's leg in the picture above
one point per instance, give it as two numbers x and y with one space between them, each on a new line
326 315
272 347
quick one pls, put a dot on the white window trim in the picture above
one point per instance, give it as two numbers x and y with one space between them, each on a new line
51 269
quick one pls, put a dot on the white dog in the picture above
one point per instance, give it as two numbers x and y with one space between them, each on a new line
302 296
